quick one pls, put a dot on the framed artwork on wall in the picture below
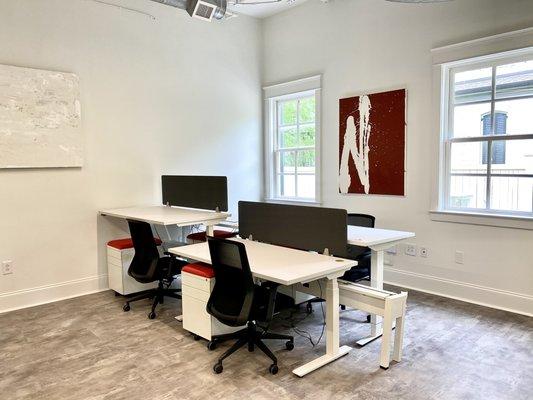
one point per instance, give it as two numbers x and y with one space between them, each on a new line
40 119
372 143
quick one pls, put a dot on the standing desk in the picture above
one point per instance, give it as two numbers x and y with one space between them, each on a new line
288 267
378 240
170 215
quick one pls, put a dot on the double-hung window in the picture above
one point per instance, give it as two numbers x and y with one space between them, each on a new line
292 146
487 135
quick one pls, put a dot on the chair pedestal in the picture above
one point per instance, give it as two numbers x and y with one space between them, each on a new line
158 295
251 337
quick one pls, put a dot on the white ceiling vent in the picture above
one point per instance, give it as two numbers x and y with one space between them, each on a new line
206 9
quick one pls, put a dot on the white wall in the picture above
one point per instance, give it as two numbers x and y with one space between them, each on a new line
161 96
364 46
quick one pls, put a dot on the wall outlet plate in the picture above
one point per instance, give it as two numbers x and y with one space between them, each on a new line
393 250
424 252
459 257
7 267
410 250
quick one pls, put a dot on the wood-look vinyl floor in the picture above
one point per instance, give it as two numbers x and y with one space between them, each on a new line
88 348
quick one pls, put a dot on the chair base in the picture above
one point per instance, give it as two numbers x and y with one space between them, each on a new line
157 294
251 337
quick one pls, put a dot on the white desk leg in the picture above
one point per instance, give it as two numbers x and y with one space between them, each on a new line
376 281
398 339
384 359
209 230
333 351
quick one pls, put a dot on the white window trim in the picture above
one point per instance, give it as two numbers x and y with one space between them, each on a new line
286 91
484 51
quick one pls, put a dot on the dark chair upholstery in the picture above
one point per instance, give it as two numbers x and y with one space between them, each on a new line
237 301
147 266
360 254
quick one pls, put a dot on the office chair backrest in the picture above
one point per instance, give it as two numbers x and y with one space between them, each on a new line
143 267
364 220
232 296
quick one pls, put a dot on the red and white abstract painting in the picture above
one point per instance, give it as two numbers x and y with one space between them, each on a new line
372 143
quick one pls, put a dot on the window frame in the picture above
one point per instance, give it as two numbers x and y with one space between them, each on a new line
448 70
272 136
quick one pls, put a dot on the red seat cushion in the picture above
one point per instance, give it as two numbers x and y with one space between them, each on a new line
199 269
127 243
200 236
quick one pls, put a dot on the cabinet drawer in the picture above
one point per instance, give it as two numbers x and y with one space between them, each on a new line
115 253
197 282
114 261
195 317
189 291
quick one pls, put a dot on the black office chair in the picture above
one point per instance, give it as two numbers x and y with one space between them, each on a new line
236 301
147 267
360 254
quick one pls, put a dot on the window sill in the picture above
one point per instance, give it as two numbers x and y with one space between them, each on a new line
293 201
462 217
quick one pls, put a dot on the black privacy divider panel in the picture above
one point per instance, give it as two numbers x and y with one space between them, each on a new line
205 192
300 227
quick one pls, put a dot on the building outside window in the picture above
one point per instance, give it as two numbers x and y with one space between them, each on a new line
293 145
487 135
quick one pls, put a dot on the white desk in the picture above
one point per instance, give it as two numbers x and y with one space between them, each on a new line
287 267
378 240
164 215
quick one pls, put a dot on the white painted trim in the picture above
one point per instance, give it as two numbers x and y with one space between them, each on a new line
295 86
51 293
483 46
505 300
496 220
487 39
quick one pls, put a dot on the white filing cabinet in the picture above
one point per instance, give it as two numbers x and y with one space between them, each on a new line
118 262
195 291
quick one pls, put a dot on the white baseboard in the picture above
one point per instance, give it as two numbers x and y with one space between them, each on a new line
49 293
482 295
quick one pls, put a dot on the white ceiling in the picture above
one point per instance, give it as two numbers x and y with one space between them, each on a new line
263 10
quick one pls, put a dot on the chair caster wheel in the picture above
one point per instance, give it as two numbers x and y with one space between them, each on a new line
273 369
309 308
212 345
218 368
289 345
368 318
151 315
126 307
196 337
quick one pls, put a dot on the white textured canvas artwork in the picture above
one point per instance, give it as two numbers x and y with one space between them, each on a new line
40 119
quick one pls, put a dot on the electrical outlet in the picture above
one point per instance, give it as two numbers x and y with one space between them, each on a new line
410 250
459 257
393 250
7 267
424 252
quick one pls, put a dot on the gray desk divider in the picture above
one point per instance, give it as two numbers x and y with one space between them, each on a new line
204 192
299 227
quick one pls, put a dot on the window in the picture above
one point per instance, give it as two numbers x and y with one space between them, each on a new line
293 147
487 135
